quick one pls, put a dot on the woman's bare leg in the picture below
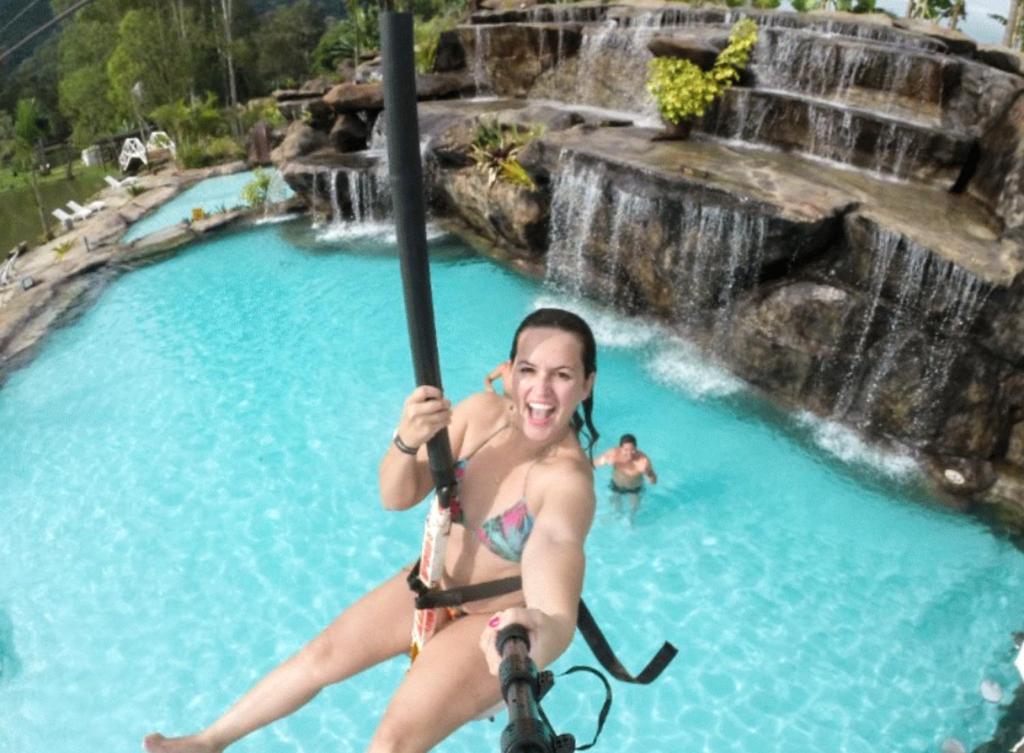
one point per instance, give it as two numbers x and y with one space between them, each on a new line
371 630
448 685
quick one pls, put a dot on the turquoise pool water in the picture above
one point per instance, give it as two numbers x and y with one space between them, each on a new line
189 494
212 195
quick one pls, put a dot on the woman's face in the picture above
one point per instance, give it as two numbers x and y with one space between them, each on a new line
546 381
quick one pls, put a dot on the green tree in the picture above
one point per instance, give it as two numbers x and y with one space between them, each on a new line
84 86
29 128
284 41
149 51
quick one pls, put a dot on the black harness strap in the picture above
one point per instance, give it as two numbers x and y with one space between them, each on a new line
454 597
427 598
603 652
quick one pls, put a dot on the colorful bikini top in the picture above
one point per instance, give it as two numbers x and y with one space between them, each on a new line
506 533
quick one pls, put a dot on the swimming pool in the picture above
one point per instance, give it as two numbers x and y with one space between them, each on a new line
212 195
189 493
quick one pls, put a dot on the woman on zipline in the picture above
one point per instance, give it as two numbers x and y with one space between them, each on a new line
525 502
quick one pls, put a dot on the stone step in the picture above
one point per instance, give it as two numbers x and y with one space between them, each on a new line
799 192
848 136
876 28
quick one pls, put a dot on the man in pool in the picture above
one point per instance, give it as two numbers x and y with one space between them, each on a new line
629 466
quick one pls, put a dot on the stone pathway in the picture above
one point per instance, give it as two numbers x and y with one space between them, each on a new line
49 279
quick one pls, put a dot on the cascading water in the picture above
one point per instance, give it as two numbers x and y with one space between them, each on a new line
576 198
481 49
611 61
915 296
336 215
277 190
716 253
358 195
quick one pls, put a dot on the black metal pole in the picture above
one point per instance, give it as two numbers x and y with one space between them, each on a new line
522 687
403 139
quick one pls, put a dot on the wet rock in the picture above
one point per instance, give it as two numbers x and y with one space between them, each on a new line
257 144
956 42
512 215
300 139
999 179
790 340
1006 496
1003 317
288 95
450 54
349 133
962 477
1003 58
507 59
700 47
1015 450
350 97
869 141
319 85
160 241
979 98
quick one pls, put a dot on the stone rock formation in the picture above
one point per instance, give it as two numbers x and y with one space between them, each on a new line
845 228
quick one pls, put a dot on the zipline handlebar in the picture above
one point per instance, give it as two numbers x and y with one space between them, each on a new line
522 687
406 172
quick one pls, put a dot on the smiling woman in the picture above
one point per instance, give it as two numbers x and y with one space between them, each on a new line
524 448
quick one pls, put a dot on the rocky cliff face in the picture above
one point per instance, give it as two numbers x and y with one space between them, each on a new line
843 229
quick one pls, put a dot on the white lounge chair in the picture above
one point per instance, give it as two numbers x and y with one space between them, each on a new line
7 270
78 211
113 182
92 206
65 219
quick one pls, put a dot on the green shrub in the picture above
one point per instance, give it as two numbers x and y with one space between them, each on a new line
61 249
254 193
209 151
495 150
426 35
264 109
357 32
682 90
191 122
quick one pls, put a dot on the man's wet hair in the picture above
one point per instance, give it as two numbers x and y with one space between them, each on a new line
627 438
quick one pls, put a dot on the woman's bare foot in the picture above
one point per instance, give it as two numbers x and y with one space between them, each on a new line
157 743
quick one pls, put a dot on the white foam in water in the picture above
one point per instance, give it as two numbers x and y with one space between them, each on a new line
610 329
681 365
845 444
384 231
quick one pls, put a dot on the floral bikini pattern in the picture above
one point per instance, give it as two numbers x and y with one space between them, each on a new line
505 534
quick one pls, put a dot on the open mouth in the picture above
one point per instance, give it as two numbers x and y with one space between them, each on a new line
539 413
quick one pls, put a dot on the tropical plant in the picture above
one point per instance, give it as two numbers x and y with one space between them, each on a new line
426 35
683 91
264 109
495 150
62 248
937 10
209 151
1013 36
191 122
254 193
349 38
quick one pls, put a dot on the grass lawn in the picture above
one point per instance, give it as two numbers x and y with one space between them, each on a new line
19 218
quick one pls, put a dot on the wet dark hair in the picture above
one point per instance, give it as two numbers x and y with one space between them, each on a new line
627 438
574 325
